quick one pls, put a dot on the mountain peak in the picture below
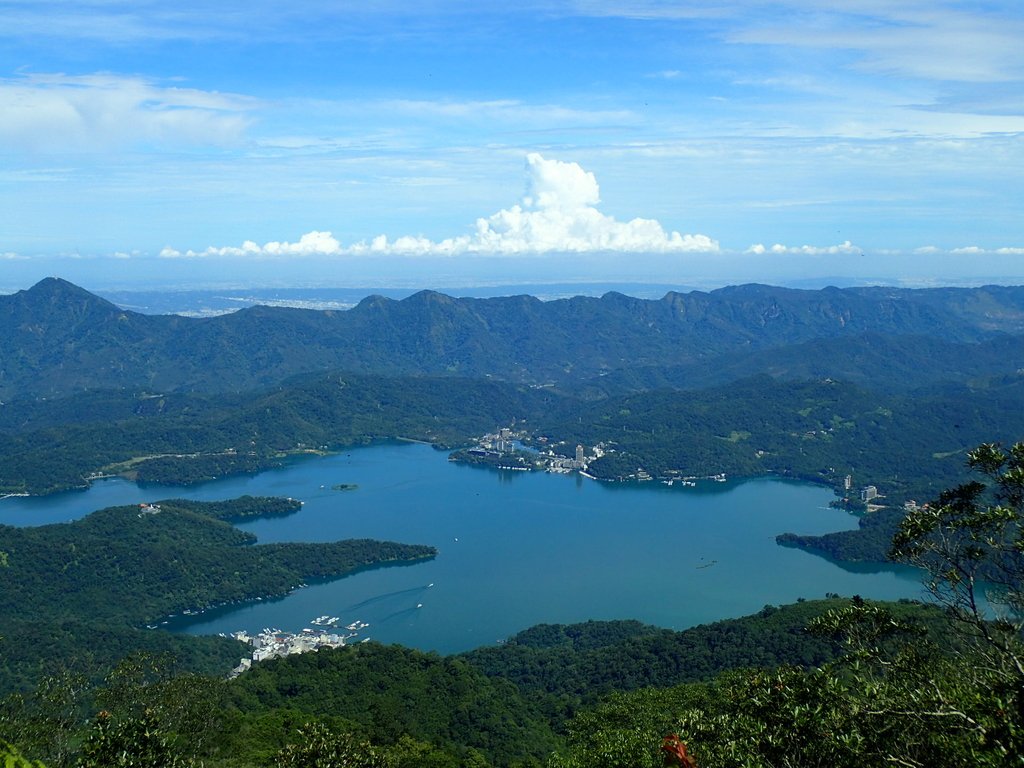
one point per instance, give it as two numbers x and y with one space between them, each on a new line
55 289
429 297
50 284
54 301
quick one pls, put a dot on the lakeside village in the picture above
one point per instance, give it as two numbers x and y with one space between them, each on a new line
504 449
273 643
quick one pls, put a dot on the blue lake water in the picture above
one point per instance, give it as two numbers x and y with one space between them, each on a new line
518 548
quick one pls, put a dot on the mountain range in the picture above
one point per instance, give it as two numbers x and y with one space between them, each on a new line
57 338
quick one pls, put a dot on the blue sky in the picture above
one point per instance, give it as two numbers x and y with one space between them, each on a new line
145 142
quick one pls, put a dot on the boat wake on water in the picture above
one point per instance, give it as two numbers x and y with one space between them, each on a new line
389 596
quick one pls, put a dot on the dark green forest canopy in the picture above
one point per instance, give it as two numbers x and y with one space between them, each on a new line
240 508
588 660
509 701
390 691
507 705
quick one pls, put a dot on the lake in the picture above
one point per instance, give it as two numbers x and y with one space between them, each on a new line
518 548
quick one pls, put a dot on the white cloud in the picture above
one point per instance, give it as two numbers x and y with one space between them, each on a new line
976 250
56 112
846 247
310 244
558 214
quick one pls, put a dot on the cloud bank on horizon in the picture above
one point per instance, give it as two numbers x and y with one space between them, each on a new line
558 214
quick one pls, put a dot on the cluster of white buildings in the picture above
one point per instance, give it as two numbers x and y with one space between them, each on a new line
272 643
556 463
868 493
504 441
501 441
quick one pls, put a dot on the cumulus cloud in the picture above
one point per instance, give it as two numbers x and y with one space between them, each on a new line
845 247
558 214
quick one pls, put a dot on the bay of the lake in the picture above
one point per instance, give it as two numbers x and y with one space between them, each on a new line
517 548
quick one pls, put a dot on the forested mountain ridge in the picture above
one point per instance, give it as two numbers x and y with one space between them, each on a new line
877 361
58 338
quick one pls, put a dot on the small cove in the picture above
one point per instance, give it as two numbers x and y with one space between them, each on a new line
517 548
